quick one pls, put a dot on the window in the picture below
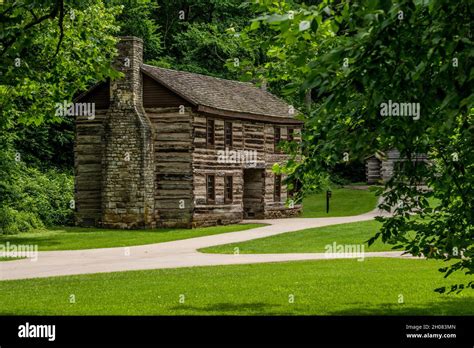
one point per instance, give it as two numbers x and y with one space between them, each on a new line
296 187
277 192
291 132
277 138
228 186
210 132
211 188
228 134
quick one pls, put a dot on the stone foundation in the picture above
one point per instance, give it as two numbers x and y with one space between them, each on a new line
282 213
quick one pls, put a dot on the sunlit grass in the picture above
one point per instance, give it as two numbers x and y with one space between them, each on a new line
74 238
343 202
325 287
313 240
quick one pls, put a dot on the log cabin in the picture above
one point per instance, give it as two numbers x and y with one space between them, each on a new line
380 167
170 148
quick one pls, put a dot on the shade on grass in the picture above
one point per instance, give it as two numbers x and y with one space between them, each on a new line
312 240
344 202
74 238
4 258
326 287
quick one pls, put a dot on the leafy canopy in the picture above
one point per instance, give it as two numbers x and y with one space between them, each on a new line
356 57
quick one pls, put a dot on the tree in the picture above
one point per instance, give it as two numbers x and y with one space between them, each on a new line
138 18
49 50
48 62
358 59
196 36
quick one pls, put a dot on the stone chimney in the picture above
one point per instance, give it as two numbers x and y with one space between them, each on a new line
128 164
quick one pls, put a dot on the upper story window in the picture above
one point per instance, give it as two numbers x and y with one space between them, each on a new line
276 138
210 189
228 189
277 189
228 133
290 135
210 132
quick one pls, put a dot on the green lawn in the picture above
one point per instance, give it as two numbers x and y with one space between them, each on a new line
312 240
74 238
10 258
325 287
344 202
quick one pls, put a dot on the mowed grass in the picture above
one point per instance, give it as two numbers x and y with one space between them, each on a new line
313 240
326 287
343 202
10 258
74 238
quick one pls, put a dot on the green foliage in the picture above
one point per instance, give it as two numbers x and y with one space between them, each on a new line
348 172
355 57
13 221
49 145
282 61
205 48
196 36
48 52
31 198
47 55
49 62
138 18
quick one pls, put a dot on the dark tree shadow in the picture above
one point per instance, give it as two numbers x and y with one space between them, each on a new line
41 242
259 308
453 306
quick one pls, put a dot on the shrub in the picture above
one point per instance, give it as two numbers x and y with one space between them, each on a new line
47 195
13 221
32 198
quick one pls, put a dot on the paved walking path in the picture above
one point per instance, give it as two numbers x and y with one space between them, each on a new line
180 253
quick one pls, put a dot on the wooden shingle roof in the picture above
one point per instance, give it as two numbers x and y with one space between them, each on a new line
218 96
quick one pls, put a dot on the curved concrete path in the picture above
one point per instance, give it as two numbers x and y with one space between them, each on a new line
180 253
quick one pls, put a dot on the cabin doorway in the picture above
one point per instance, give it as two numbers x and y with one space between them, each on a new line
254 189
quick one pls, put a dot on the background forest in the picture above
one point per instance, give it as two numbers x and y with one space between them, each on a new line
336 61
36 159
51 51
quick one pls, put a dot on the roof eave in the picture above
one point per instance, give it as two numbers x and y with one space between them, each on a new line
248 116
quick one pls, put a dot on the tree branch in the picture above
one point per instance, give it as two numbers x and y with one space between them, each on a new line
61 27
52 14
33 14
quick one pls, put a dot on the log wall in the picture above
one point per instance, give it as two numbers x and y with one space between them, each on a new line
372 170
208 160
247 136
277 209
88 152
173 173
